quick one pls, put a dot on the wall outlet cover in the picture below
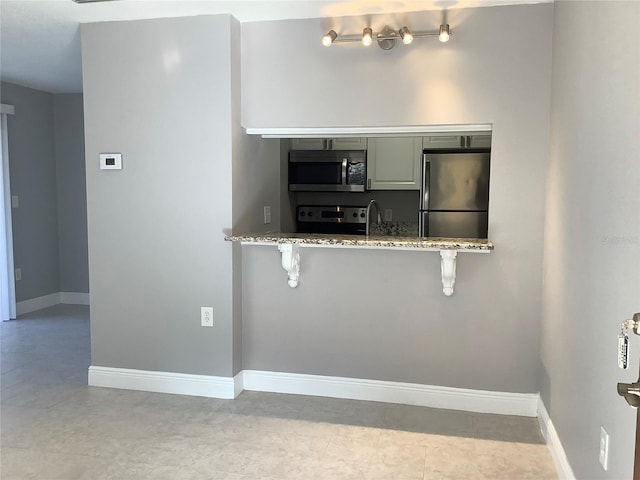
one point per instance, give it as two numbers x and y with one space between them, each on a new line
206 316
604 448
18 274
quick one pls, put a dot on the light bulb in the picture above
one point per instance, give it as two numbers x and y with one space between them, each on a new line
406 35
444 33
329 38
367 37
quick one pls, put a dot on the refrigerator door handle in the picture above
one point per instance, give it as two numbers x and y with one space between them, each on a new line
425 180
423 223
425 183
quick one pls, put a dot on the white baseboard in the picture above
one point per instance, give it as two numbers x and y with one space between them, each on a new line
553 442
74 298
28 306
522 404
238 384
162 382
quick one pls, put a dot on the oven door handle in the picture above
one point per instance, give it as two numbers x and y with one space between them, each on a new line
344 171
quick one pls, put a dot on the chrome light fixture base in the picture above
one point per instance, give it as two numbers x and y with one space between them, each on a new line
387 38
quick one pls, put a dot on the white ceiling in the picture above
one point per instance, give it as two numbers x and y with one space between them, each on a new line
40 39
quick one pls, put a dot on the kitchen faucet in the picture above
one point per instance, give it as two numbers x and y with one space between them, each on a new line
368 217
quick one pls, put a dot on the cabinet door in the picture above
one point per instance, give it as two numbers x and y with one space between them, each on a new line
308 143
393 163
354 143
435 142
478 141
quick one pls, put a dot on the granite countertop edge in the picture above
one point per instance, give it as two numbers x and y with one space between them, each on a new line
363 241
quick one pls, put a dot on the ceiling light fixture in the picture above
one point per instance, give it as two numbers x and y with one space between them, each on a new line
367 37
387 37
329 38
444 34
406 35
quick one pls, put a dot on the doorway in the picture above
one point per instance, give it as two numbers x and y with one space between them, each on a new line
7 279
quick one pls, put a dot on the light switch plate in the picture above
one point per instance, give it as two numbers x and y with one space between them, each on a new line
15 201
110 161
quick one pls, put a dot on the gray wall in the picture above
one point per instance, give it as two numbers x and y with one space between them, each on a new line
46 152
592 243
33 178
72 196
256 183
382 315
161 93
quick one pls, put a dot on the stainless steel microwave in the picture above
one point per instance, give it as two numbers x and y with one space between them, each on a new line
327 170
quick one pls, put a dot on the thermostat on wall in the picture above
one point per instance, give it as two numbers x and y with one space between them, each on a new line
110 161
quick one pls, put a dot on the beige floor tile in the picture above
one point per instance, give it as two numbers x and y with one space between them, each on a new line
507 428
21 464
428 420
55 427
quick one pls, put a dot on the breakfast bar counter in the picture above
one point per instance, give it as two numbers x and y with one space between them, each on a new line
289 246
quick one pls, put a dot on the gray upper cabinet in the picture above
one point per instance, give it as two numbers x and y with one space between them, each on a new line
347 143
471 140
393 163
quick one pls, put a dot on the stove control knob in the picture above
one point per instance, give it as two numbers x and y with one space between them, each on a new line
310 214
362 215
302 214
355 215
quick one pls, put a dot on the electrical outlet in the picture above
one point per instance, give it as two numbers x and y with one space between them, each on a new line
15 201
267 215
206 316
388 215
604 448
18 274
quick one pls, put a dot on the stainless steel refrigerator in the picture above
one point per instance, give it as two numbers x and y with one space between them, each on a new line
454 193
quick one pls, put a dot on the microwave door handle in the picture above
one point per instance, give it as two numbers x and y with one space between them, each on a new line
344 171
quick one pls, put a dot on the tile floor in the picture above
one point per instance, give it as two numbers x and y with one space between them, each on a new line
53 426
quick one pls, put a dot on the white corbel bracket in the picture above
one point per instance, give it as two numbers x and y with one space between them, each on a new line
291 262
448 270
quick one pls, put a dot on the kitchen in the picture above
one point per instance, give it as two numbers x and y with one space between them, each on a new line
336 186
384 164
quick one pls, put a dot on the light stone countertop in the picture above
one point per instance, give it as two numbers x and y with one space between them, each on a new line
392 242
